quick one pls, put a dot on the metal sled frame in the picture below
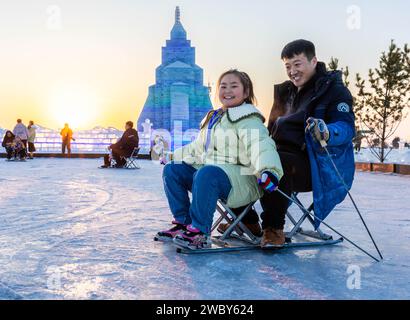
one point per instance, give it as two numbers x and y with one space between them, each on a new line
132 160
239 238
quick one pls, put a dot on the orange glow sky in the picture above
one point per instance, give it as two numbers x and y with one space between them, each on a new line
96 68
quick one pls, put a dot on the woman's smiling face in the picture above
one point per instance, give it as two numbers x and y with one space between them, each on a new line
231 91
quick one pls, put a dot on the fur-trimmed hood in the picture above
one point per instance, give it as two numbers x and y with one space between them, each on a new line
242 112
236 114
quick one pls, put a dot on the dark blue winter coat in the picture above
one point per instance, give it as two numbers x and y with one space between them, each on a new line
331 102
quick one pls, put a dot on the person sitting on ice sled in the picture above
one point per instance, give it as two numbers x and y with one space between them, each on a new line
313 106
20 151
14 147
123 148
232 150
7 143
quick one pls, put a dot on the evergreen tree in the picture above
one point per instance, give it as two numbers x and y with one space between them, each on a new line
380 107
333 65
396 143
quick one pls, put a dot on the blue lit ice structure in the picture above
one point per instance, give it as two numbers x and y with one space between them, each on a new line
179 100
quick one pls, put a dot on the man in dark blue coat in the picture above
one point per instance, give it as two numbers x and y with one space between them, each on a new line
314 107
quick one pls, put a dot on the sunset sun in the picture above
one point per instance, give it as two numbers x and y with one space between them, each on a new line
74 105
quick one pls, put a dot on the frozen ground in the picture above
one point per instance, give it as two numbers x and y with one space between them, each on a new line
71 231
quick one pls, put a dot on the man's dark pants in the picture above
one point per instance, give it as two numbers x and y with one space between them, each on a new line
10 152
118 155
66 144
296 178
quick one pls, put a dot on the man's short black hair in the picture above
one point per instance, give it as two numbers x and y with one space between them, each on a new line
297 47
130 124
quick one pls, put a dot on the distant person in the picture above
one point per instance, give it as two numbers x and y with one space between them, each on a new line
7 143
31 138
21 131
159 150
19 149
66 135
123 148
357 140
14 147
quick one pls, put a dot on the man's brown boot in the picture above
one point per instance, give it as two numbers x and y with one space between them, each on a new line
255 228
273 238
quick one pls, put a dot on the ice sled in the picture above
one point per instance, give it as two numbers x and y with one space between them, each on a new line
131 161
239 238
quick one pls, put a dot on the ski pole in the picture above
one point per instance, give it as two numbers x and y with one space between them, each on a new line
310 214
324 145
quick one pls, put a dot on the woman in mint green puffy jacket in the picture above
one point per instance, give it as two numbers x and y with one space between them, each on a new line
232 151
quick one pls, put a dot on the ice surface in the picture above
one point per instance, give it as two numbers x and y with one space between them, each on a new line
71 231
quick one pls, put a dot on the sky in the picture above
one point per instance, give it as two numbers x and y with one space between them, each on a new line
91 62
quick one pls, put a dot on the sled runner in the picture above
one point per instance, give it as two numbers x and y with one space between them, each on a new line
238 237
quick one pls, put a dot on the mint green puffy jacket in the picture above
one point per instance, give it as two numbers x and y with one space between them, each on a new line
240 145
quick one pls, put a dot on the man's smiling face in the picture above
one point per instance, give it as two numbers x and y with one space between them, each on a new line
299 69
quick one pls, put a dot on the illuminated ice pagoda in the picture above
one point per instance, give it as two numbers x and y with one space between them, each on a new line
179 100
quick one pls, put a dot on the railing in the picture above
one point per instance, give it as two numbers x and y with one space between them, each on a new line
81 146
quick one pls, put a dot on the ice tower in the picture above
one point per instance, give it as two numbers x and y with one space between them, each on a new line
179 99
